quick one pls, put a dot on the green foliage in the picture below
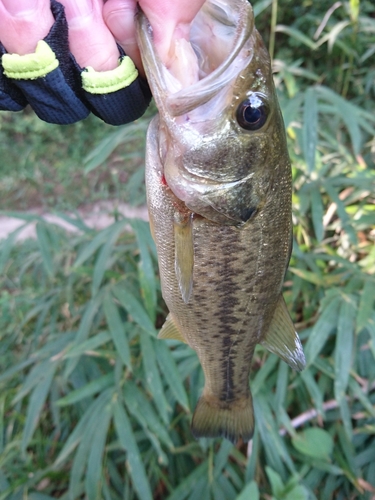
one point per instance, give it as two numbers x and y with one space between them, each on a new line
93 406
42 164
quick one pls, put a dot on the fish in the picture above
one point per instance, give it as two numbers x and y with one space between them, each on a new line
219 188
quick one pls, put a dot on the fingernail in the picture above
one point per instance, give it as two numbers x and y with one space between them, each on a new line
20 6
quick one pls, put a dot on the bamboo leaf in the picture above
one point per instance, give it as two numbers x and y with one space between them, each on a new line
103 259
83 332
152 376
76 436
45 248
221 458
89 345
344 346
94 474
104 149
169 369
314 390
39 496
143 411
326 323
2 410
348 114
7 246
87 390
200 490
36 403
310 128
317 213
274 447
342 213
146 272
260 6
315 279
34 377
89 249
332 36
296 34
134 308
186 486
366 303
16 368
117 328
263 374
126 437
80 459
250 491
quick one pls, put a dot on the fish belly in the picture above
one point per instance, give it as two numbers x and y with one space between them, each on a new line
237 280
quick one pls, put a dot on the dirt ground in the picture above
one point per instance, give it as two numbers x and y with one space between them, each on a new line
97 216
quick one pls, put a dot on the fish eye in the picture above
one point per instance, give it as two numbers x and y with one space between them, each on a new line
252 113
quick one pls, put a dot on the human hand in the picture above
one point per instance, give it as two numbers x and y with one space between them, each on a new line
94 28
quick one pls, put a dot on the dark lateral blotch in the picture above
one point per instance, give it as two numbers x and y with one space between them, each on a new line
247 213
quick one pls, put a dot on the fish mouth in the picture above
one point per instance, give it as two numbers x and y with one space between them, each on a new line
238 17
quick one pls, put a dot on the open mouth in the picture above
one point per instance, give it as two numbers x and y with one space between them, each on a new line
229 26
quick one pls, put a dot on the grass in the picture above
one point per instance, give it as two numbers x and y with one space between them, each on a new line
44 165
93 406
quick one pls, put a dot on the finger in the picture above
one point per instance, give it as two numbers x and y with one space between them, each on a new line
90 40
23 23
119 17
170 19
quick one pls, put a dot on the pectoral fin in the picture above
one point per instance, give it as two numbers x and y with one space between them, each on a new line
184 255
170 331
282 339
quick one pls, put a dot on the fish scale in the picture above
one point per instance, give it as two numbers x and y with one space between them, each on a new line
223 238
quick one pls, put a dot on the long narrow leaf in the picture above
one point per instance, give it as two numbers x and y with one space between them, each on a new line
117 328
134 308
36 403
146 271
322 329
168 367
128 442
93 479
87 390
310 128
45 248
103 259
152 376
75 437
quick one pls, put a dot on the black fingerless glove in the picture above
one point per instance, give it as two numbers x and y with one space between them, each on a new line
62 92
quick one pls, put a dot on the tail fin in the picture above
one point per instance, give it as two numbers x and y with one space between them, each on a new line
215 418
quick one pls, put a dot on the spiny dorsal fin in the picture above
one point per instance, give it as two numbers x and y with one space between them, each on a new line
170 331
184 254
282 339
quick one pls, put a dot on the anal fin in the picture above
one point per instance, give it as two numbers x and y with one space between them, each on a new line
170 331
184 254
282 339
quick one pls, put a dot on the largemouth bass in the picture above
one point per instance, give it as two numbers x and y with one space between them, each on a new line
218 180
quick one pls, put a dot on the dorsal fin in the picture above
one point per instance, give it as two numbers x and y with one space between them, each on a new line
184 254
170 331
282 339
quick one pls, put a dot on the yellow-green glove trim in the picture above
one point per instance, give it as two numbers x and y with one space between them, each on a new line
105 82
30 66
